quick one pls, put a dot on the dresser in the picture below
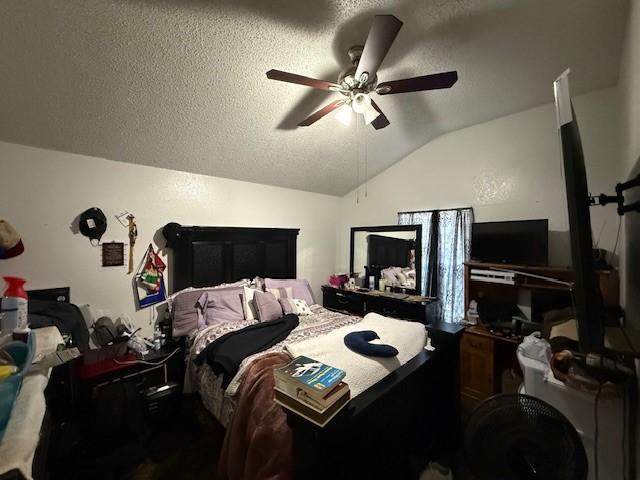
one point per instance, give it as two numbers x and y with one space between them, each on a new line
363 301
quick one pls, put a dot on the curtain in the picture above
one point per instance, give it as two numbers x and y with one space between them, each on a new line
446 245
424 219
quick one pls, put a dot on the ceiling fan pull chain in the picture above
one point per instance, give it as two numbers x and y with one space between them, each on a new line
357 163
366 162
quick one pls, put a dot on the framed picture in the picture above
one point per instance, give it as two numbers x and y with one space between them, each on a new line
112 254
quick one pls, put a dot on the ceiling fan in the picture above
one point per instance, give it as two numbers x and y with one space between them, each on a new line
357 82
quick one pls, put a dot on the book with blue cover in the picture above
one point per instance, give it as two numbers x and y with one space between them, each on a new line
316 378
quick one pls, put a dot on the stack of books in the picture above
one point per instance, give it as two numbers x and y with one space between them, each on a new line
311 389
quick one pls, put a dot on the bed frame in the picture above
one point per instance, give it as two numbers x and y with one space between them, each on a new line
392 429
204 256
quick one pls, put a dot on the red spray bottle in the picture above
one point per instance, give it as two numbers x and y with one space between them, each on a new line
14 307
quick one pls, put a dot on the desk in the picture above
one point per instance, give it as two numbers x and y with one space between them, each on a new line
484 356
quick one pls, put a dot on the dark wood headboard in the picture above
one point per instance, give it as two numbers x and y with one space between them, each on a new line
204 256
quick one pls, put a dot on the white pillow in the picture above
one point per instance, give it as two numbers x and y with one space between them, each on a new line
250 312
301 306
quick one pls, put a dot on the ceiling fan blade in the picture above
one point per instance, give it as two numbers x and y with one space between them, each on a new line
381 36
301 80
381 121
416 84
314 117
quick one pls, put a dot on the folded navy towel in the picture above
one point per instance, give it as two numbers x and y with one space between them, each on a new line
359 343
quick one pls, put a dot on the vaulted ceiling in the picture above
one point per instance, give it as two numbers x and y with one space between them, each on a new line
181 83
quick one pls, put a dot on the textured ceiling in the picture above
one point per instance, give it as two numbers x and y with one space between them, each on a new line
181 83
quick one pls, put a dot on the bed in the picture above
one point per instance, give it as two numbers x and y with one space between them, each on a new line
406 414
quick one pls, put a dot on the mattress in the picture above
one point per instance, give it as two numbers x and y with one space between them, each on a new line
221 402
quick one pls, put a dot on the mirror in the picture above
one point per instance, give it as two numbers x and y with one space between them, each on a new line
388 253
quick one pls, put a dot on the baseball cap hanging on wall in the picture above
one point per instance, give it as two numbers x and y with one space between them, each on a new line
93 224
10 242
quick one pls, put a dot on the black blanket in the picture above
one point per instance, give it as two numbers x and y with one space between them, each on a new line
225 354
66 316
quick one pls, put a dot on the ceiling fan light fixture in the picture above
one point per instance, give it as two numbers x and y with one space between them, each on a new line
370 114
361 102
344 114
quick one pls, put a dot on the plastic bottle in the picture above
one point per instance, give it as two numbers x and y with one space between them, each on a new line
14 307
157 337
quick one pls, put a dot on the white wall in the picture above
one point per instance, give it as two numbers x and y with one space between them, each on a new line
42 191
506 169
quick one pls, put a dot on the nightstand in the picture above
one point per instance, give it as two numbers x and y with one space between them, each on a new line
118 404
155 369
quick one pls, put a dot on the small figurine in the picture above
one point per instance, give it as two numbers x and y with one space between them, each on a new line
133 235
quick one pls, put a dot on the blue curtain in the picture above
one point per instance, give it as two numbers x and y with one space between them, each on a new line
446 245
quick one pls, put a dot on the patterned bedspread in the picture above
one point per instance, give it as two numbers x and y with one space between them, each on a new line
220 402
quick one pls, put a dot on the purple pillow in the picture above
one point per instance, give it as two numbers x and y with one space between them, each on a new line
224 309
185 313
267 306
301 288
286 305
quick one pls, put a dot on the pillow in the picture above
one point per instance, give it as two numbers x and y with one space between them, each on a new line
294 305
301 288
390 275
247 303
287 305
173 296
359 342
218 309
185 313
267 306
282 292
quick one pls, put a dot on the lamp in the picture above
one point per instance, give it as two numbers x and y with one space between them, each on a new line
344 114
361 103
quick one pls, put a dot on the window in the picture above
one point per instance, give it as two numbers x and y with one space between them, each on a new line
446 245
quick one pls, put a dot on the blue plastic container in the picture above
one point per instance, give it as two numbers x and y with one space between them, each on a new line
22 353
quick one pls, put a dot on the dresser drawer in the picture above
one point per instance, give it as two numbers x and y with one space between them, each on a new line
342 300
396 309
476 342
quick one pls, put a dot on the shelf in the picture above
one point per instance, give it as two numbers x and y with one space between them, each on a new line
561 288
523 268
607 280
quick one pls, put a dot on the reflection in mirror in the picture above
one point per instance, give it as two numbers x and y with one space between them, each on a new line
386 257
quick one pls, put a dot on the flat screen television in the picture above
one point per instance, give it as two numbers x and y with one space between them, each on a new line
586 295
519 242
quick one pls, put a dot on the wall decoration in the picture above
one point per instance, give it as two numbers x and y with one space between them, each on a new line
150 288
10 242
92 224
112 254
133 235
123 218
